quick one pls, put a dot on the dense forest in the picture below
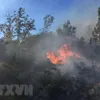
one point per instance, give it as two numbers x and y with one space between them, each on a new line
23 59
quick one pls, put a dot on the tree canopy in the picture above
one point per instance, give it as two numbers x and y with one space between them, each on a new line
17 26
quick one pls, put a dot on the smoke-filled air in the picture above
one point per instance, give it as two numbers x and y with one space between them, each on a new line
51 45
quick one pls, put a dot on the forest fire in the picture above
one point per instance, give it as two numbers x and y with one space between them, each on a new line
63 53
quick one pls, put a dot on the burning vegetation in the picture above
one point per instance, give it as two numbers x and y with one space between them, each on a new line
22 50
62 54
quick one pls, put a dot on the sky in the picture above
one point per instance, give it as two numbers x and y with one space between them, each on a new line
81 13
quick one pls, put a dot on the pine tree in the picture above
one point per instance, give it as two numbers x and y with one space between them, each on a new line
67 30
96 32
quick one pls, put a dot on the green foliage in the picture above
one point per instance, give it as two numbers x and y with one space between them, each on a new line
96 32
67 30
99 11
7 28
48 20
23 25
18 25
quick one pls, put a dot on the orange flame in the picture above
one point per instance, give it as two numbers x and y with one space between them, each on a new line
64 52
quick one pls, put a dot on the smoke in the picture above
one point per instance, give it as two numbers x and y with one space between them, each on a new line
69 68
82 14
45 44
52 42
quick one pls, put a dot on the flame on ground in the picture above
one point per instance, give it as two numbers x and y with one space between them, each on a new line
63 53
